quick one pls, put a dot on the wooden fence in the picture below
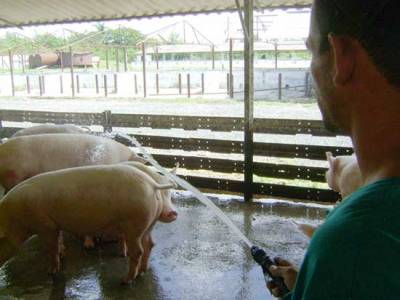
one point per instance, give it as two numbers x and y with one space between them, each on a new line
190 160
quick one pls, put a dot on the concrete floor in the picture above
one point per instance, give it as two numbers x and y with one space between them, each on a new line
196 257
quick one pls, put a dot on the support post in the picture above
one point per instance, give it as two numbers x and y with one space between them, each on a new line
180 83
43 85
248 100
230 68
117 59
107 121
213 56
136 87
28 85
125 60
280 86
144 70
77 84
188 85
23 63
62 61
157 84
276 56
10 57
157 59
61 85
115 83
105 86
202 83
71 60
40 86
227 83
96 79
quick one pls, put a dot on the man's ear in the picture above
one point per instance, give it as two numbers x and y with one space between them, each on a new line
343 51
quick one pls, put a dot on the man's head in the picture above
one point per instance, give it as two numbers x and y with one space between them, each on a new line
353 42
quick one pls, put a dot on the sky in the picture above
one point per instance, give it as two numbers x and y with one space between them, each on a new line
278 24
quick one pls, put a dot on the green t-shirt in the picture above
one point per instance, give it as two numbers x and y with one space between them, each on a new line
355 254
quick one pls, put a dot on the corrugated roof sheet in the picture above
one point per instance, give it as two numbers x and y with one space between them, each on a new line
35 12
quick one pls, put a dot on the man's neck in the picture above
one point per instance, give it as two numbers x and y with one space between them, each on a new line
376 140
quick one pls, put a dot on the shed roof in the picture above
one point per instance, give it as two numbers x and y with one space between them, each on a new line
28 12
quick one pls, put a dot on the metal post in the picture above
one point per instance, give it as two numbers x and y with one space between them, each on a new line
227 83
231 85
40 86
180 83
96 79
202 83
28 85
107 121
71 61
157 59
61 85
307 92
105 86
144 70
115 83
107 61
125 60
117 59
248 100
213 56
10 56
280 86
23 63
230 67
77 84
157 84
136 87
188 85
43 85
276 56
62 61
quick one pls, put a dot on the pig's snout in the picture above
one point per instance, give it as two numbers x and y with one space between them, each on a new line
168 216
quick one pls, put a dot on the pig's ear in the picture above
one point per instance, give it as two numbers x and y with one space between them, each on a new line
331 159
173 171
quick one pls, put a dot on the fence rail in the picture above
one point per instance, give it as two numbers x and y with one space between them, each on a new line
193 161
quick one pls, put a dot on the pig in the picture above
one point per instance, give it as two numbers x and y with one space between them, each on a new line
343 176
85 201
110 235
26 156
50 128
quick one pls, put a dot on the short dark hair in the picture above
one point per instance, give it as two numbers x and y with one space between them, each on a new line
374 23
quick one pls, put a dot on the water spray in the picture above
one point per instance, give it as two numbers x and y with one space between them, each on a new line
258 254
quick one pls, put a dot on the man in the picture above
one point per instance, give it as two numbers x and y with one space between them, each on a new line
355 46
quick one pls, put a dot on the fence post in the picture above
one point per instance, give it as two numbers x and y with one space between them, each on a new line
202 83
105 86
136 87
157 84
231 85
77 84
227 84
115 83
307 90
10 56
61 85
144 70
125 60
43 85
62 61
117 59
157 59
40 86
96 79
230 67
28 86
180 83
71 61
107 121
213 56
188 85
276 55
280 86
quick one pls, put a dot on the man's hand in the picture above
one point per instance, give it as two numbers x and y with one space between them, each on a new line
287 271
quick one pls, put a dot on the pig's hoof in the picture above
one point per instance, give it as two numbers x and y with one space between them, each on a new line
125 281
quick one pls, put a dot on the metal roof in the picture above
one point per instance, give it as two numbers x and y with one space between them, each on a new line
37 12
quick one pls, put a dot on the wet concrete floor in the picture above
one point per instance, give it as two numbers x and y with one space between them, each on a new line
196 257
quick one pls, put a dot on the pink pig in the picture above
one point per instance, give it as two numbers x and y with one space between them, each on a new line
85 201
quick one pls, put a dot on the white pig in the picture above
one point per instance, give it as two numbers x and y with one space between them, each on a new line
50 128
26 156
110 235
85 201
344 175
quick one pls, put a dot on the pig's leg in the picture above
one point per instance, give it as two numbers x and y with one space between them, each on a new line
122 245
61 246
51 240
8 248
135 252
148 244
